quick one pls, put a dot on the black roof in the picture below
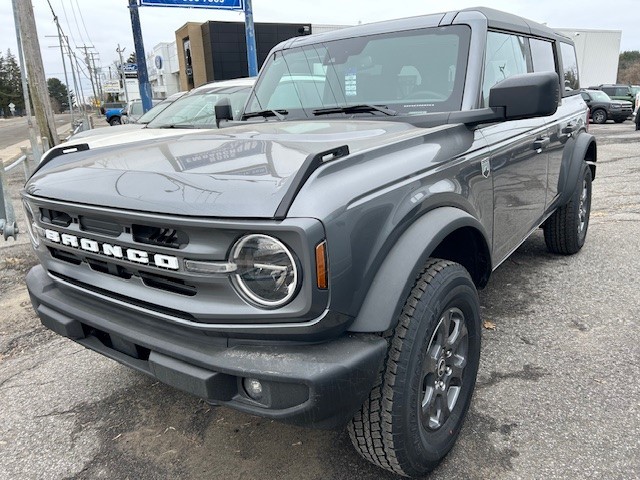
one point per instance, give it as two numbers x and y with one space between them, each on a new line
495 19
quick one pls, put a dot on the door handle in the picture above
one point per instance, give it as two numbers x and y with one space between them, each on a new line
541 143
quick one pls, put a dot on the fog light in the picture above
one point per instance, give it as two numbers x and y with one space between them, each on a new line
253 388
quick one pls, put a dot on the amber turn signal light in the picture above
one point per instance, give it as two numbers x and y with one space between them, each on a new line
322 273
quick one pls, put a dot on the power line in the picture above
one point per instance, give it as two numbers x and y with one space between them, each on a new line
83 24
64 10
75 19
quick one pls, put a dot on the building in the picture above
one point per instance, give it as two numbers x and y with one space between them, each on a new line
218 51
163 69
598 53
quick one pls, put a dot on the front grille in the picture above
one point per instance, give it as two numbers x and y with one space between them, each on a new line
150 279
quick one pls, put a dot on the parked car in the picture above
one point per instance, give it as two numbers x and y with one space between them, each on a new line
318 263
111 106
617 91
136 115
115 117
113 114
188 114
603 108
197 109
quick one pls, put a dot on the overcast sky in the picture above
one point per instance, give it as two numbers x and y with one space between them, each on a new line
105 23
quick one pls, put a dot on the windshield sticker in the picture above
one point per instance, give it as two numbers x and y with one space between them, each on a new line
351 83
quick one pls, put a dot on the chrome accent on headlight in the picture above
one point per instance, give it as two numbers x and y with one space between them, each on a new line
266 274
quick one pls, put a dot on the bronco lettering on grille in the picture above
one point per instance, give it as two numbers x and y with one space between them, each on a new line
133 255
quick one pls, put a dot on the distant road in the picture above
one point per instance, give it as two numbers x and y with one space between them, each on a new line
15 130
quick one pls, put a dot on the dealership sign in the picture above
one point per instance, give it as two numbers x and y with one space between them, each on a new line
219 4
111 86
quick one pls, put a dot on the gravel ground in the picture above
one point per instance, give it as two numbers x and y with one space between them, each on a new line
558 393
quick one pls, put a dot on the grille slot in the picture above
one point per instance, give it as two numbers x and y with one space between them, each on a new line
165 237
55 217
110 268
125 299
65 256
169 284
103 227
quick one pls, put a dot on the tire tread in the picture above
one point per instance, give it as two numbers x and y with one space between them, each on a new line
370 429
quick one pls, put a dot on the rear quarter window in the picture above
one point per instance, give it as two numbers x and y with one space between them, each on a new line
542 56
569 67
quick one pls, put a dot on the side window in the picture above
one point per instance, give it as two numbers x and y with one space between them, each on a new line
505 57
570 67
622 91
609 91
542 56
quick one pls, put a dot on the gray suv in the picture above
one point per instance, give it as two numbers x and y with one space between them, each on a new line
317 263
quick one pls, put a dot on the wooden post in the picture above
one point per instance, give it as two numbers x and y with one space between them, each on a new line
35 71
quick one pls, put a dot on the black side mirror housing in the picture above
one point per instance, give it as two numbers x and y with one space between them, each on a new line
223 111
527 95
521 96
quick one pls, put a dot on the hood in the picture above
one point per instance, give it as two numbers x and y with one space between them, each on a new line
241 171
119 135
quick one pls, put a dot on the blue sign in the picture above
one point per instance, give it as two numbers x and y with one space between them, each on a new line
216 4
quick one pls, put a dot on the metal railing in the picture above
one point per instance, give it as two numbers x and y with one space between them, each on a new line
8 225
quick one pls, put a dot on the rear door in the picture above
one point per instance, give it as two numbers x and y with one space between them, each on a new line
571 116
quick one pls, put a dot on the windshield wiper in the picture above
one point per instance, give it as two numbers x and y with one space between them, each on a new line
178 125
279 114
364 107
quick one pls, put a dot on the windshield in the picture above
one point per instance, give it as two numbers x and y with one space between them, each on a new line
599 96
196 109
151 114
412 72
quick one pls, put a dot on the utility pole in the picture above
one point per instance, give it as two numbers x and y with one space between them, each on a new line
250 33
95 73
64 64
74 58
141 58
122 77
87 62
33 59
33 133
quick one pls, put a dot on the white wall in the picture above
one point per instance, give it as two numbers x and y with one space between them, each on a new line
598 52
164 81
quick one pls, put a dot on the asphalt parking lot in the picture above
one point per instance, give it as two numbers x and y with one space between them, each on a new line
558 394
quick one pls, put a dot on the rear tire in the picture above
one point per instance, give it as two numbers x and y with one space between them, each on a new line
417 407
566 230
620 120
599 116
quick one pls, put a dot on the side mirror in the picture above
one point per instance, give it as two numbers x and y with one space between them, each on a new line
521 96
527 95
223 111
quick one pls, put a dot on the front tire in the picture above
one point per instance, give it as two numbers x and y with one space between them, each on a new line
416 409
566 230
599 116
115 121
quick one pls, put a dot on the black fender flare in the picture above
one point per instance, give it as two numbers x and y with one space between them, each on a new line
572 161
396 276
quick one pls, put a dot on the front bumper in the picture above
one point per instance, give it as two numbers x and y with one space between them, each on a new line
306 384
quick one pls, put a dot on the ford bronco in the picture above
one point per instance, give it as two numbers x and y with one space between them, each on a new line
318 262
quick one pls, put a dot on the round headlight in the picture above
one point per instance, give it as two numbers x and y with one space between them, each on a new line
31 224
266 273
